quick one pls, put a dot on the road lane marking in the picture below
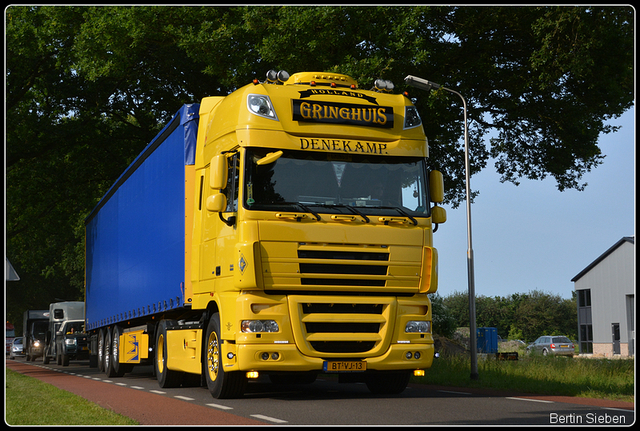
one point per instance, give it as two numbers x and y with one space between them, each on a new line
180 397
157 392
136 387
454 392
121 384
270 419
220 406
529 399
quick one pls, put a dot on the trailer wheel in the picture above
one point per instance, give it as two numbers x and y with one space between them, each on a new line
166 378
388 383
118 368
101 350
221 384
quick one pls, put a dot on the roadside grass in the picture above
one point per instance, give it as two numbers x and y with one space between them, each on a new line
30 401
544 375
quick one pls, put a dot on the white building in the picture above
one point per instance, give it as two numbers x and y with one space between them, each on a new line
606 302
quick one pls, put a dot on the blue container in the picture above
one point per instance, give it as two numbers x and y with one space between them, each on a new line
487 340
135 237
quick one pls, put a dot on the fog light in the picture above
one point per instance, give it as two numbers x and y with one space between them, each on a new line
275 356
416 355
418 373
252 375
264 356
408 355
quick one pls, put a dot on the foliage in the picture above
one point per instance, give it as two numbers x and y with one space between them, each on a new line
89 86
528 315
443 321
32 402
552 375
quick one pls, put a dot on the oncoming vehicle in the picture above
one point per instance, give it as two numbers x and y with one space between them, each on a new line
552 345
17 348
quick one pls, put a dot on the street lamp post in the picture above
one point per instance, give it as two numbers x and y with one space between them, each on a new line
423 84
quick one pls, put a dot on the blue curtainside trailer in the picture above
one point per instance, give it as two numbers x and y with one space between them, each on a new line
135 236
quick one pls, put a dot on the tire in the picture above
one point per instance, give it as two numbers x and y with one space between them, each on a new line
388 383
108 359
58 359
45 358
166 378
119 369
100 352
545 352
221 384
64 359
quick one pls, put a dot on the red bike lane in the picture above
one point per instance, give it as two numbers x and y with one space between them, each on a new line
143 407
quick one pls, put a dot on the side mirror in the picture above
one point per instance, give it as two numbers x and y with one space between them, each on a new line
438 215
218 172
217 203
436 186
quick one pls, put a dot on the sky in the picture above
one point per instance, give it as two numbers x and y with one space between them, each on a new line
534 237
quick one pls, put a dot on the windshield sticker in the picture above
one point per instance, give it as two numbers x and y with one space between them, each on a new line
342 113
338 169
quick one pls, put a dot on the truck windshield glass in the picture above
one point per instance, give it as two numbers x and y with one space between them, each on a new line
333 183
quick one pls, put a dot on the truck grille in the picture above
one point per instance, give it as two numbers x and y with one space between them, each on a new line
332 273
335 327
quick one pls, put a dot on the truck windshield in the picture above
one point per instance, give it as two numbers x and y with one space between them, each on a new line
335 183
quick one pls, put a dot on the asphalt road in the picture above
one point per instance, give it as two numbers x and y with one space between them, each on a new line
325 402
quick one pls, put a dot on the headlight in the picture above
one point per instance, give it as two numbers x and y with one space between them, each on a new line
411 117
260 104
36 343
419 326
70 341
259 326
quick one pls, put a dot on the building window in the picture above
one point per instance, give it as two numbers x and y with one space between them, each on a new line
584 298
584 321
586 339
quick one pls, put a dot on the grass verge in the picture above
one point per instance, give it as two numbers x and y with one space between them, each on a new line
30 401
544 375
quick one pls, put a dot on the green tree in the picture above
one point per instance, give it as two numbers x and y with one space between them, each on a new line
443 321
89 87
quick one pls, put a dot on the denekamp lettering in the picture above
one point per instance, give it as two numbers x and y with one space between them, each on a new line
342 145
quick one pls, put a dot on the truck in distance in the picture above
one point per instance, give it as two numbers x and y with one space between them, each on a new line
65 338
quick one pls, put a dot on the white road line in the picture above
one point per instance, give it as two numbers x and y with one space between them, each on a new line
618 410
454 392
96 378
136 387
157 392
529 399
180 397
108 381
270 419
121 384
220 406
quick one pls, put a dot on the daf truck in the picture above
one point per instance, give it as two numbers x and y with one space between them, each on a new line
285 230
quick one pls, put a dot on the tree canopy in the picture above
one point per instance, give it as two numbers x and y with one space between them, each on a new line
88 87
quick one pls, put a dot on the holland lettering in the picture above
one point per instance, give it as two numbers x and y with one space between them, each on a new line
341 145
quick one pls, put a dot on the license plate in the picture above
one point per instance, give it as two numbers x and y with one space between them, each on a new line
564 346
344 366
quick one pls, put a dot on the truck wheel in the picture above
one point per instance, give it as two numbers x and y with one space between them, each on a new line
221 384
388 383
101 350
118 368
166 378
58 359
45 358
65 360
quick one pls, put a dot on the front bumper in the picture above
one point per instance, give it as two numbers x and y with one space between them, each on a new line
249 357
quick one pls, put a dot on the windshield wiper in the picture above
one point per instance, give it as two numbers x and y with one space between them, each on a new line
304 208
401 211
349 207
